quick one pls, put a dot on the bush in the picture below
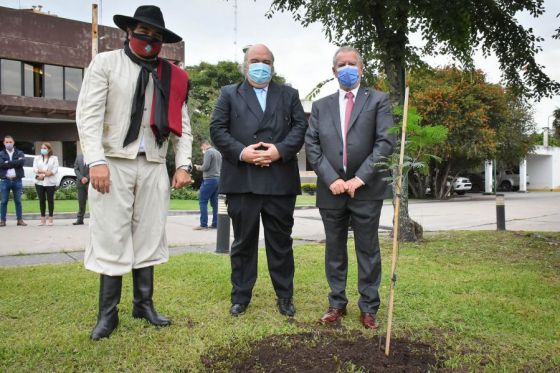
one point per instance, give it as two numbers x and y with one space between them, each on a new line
309 188
66 193
30 194
184 193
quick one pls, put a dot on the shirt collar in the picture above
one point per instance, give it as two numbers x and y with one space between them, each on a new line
342 93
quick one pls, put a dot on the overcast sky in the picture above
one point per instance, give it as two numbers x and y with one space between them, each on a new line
303 56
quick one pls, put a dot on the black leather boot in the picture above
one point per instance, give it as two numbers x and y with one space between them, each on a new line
143 282
109 298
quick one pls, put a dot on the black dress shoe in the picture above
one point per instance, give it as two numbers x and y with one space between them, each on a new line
78 222
286 307
237 309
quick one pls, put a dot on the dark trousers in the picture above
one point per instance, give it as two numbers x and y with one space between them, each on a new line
82 190
277 213
16 187
365 224
45 193
208 192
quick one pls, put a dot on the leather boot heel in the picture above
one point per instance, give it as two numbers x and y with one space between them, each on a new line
143 306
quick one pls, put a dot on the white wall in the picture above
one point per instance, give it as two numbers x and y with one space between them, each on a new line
543 168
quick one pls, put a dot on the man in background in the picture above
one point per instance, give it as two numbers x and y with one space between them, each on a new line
11 173
211 164
81 170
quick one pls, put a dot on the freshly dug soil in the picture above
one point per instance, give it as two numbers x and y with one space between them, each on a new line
327 351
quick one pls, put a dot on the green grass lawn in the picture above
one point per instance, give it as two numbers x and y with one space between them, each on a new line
486 301
174 204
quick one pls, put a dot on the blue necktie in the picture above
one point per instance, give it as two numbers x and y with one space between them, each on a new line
262 98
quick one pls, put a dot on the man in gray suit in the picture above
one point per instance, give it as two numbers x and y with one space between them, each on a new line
82 183
348 133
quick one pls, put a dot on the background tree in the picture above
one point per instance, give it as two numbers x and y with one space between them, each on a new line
484 121
556 123
380 30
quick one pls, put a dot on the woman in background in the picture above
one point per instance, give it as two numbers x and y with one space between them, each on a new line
45 167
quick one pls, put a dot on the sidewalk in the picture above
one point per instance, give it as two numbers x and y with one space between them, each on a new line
65 242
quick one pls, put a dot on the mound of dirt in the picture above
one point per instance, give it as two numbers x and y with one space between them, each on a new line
327 351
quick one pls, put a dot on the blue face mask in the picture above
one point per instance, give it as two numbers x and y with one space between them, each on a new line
44 151
9 147
260 72
348 76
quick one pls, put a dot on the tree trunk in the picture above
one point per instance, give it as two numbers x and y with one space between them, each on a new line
409 230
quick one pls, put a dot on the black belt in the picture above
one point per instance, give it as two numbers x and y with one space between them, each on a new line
9 178
141 154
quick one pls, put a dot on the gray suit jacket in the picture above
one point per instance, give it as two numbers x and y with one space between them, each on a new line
368 139
81 170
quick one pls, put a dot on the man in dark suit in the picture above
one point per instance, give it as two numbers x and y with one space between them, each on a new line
348 133
82 183
259 126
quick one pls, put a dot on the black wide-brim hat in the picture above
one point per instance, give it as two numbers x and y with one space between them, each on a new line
150 15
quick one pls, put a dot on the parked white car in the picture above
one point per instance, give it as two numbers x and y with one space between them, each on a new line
65 177
461 185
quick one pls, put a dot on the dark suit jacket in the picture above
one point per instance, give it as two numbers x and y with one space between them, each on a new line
18 159
238 121
368 142
81 170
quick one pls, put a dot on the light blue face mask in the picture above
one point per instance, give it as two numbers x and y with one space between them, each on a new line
348 76
260 72
44 151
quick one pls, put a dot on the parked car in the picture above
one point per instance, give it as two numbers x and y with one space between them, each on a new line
508 180
65 177
461 185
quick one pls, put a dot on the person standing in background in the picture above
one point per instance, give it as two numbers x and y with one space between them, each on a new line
82 183
211 164
11 173
45 167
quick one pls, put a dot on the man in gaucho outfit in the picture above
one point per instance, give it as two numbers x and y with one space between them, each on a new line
131 105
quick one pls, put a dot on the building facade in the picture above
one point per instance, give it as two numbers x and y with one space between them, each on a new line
42 63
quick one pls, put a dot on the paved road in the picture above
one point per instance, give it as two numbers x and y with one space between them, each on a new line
524 211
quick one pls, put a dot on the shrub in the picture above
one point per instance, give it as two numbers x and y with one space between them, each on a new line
184 193
30 194
66 193
309 188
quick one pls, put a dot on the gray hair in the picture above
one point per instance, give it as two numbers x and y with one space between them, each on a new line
245 65
347 48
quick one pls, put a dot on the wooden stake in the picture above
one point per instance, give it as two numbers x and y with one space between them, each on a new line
94 34
396 226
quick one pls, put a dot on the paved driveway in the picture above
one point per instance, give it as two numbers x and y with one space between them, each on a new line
524 211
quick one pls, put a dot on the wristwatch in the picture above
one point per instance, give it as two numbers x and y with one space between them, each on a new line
188 168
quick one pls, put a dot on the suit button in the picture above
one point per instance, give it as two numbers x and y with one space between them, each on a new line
340 153
270 137
341 170
255 136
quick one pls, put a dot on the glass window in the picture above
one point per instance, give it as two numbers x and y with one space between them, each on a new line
10 77
53 78
28 81
72 83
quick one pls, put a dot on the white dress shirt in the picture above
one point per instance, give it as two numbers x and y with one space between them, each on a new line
11 173
342 100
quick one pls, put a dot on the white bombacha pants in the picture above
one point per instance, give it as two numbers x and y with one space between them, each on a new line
127 225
